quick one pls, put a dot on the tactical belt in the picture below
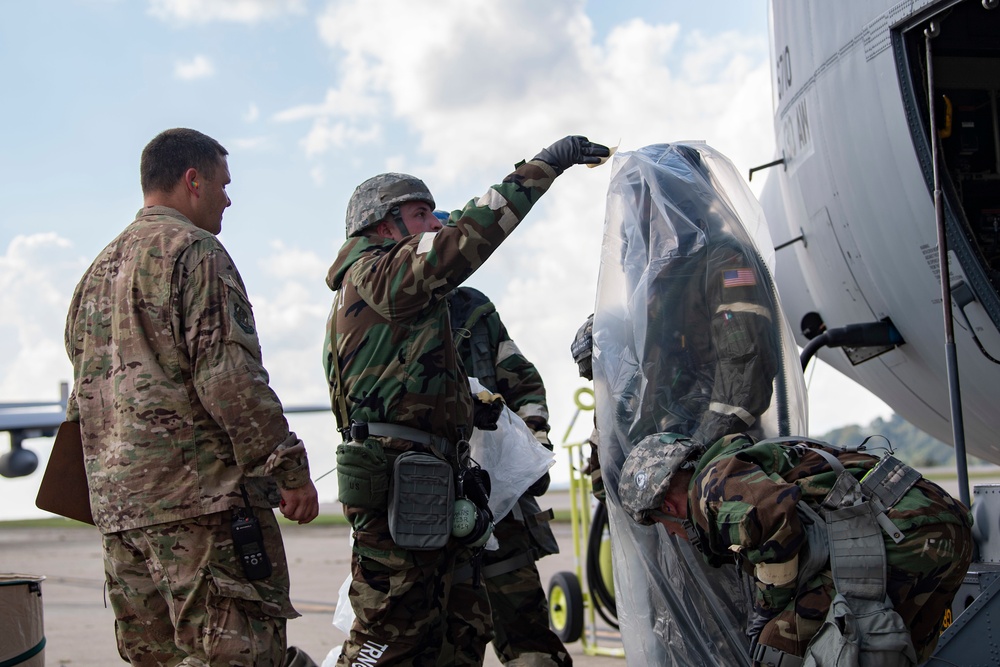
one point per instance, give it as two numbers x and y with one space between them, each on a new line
361 430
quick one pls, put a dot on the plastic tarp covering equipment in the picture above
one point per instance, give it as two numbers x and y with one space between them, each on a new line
689 338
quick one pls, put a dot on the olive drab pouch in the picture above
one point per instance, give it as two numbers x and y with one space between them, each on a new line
421 501
362 474
865 633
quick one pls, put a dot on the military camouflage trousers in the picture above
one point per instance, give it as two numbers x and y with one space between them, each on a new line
408 607
924 571
180 596
521 630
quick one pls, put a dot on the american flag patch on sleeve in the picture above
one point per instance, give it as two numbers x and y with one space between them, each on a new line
738 278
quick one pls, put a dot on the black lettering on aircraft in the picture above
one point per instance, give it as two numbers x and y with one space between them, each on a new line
783 67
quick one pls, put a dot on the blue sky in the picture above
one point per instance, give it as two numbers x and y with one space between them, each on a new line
311 98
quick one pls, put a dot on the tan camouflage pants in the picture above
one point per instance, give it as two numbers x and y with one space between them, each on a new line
408 608
180 596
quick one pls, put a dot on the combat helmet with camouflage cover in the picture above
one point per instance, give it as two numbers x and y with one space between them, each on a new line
648 470
376 197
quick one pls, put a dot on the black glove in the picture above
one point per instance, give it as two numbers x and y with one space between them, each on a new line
540 486
486 410
572 150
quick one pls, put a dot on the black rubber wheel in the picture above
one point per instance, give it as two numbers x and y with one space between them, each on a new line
566 606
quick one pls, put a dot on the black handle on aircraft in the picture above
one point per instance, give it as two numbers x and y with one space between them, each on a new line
868 334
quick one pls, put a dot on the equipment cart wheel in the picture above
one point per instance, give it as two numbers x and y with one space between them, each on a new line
566 606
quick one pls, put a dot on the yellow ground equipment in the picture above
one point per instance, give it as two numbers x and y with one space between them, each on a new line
573 610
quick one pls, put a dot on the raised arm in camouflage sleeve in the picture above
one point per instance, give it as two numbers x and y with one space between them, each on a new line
387 287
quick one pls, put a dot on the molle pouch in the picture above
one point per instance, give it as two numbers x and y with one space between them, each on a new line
421 501
362 474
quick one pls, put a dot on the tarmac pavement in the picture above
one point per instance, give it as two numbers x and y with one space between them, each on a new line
79 627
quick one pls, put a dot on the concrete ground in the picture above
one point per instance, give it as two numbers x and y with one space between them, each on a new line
79 627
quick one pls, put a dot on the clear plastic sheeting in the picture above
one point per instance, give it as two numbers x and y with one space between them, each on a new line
511 455
688 338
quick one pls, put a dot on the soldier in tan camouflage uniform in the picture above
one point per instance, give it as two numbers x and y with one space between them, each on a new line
522 635
763 505
398 386
179 425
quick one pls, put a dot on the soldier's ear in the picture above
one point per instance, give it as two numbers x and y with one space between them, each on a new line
384 229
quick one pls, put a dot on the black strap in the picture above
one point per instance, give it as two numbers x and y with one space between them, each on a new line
523 559
532 520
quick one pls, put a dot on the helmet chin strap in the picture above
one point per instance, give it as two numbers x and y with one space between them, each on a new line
398 219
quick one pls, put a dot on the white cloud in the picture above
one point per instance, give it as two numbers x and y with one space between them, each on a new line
250 143
291 307
517 76
252 114
318 175
351 100
324 136
37 275
497 83
233 11
198 67
836 400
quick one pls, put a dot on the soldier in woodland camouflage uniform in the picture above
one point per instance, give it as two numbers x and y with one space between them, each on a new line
176 418
522 635
391 359
743 500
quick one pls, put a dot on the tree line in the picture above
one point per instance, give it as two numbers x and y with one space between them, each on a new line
908 443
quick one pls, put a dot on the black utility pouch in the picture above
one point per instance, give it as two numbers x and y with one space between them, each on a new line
422 501
362 474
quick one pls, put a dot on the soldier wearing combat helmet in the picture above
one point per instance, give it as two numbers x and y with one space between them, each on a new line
402 400
780 508
382 195
648 472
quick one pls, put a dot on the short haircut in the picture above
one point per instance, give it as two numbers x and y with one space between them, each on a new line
172 152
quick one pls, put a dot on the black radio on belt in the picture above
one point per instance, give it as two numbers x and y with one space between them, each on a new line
248 542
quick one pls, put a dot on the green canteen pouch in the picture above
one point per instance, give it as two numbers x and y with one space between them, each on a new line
362 474
421 501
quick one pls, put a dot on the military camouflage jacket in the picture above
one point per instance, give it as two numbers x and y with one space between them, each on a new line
394 342
174 405
713 345
743 498
489 355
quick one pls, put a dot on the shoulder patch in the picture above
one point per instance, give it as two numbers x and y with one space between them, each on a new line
243 318
739 278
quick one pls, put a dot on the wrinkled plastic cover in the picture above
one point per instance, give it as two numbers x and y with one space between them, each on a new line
511 455
668 207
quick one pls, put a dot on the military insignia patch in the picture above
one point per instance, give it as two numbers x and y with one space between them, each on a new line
738 278
242 317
